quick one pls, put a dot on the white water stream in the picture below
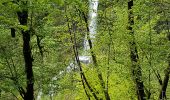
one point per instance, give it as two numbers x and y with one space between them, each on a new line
93 6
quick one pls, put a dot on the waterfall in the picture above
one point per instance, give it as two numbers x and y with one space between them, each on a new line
93 17
93 6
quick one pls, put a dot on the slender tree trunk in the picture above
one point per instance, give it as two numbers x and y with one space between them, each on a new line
83 77
23 17
0 93
13 32
135 68
162 94
76 54
94 59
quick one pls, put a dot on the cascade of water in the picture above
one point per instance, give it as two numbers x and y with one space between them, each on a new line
93 6
93 17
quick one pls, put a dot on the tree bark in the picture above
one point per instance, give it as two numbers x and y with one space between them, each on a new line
83 77
94 59
23 17
12 32
162 94
135 67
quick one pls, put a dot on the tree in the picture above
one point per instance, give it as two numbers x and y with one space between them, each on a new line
23 19
43 42
135 67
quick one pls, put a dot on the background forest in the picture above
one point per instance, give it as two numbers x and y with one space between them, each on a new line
84 49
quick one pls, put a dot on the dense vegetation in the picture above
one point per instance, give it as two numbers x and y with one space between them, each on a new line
42 42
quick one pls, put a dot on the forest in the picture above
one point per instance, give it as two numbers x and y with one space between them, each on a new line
84 49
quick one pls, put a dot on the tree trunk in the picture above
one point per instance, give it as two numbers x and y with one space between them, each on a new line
94 59
13 32
162 94
23 17
135 67
83 77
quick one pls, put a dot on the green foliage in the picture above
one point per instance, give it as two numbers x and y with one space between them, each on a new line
55 22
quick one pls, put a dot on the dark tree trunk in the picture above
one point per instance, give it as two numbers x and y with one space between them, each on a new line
83 77
162 94
94 59
13 32
23 17
135 68
0 92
